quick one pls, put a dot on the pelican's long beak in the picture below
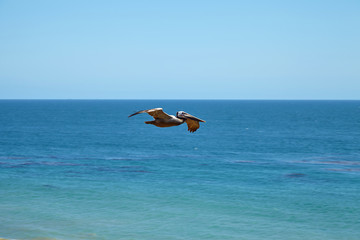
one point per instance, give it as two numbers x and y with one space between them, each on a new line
186 115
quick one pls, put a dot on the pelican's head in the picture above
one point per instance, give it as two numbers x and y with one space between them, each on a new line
181 114
184 115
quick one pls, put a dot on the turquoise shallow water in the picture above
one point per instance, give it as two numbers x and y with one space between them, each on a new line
254 170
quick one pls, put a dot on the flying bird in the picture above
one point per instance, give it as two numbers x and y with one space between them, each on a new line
162 119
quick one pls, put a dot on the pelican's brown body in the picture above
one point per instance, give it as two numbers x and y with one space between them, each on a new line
162 119
161 123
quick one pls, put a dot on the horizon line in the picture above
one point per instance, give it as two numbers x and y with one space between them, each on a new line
175 99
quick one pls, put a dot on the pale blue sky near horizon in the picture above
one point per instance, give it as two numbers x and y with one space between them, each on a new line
180 49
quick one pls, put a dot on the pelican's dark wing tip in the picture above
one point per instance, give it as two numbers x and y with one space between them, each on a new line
136 113
132 115
192 130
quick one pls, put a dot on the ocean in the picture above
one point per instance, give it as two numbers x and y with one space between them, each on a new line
81 169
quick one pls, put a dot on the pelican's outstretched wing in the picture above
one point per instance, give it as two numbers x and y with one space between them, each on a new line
193 125
155 113
191 121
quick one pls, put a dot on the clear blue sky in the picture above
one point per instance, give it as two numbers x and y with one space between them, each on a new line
180 49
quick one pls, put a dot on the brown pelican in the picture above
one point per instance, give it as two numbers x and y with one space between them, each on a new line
162 119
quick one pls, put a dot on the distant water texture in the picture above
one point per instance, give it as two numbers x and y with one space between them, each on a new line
72 170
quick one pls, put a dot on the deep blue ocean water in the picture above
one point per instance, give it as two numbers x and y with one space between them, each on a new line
82 169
